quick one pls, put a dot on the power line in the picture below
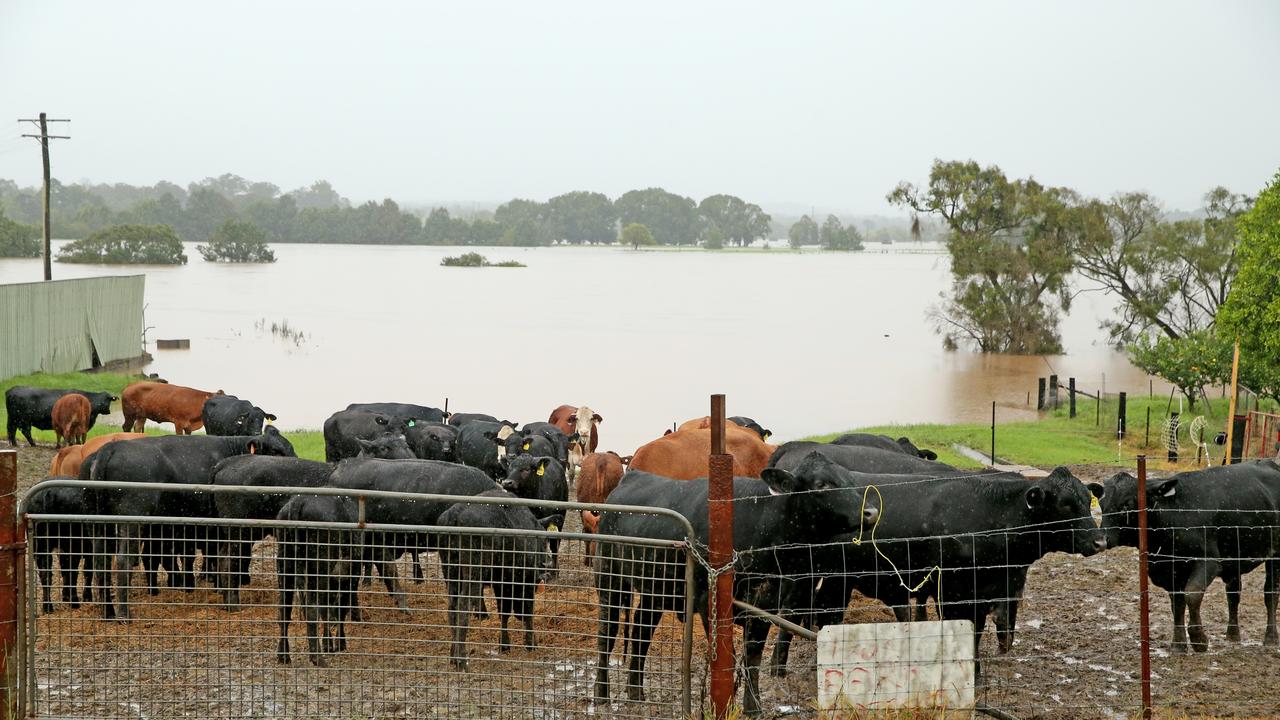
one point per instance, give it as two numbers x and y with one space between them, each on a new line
44 137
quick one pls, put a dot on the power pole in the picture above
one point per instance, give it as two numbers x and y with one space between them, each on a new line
44 137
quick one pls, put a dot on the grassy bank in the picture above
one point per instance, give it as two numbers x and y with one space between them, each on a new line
1057 439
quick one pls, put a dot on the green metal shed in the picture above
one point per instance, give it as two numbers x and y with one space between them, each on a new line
59 325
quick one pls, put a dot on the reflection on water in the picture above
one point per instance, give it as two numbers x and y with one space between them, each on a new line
804 343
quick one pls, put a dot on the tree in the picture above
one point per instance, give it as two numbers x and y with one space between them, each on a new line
237 242
1252 310
18 239
127 244
1170 277
582 217
804 232
524 223
438 228
636 235
712 238
835 236
206 211
739 221
319 195
1010 247
1188 363
672 219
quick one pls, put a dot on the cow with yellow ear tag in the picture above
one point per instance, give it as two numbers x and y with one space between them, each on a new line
538 478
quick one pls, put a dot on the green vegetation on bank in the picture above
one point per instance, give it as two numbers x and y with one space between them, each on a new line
477 260
1056 439
237 242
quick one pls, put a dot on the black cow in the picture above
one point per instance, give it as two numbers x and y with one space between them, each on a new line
344 429
29 407
884 442
175 459
536 444
410 476
858 459
404 411
966 541
386 447
555 435
433 441
753 426
67 537
509 564
1217 522
795 515
482 445
229 415
539 478
255 471
319 565
460 419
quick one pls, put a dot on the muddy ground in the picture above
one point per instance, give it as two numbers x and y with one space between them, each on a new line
1076 654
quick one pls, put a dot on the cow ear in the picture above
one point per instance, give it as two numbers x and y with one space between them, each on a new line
270 416
491 435
551 522
779 481
380 420
667 432
1096 489
597 419
766 435
115 397
1034 496
627 459
1164 489
542 466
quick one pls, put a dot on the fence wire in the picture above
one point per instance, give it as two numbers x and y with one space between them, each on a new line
487 623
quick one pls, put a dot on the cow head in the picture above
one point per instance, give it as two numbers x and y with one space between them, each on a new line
584 419
825 495
1061 511
753 426
100 402
433 441
386 447
1119 501
524 474
271 442
911 449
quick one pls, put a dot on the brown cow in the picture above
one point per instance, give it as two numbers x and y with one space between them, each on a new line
69 459
71 419
683 454
162 402
583 421
599 475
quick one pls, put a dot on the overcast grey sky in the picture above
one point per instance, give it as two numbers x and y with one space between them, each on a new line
785 104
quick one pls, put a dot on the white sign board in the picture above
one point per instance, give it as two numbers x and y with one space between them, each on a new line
896 665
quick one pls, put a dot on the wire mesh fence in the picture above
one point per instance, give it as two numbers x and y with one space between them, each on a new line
326 616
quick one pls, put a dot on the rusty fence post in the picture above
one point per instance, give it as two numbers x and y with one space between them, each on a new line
720 549
1144 607
11 554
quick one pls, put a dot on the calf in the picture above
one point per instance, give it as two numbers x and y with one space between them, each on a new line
539 478
28 407
171 459
884 442
162 402
811 506
433 441
859 459
410 476
69 459
509 564
229 415
599 475
404 411
483 445
344 429
67 537
236 545
71 419
319 566
1217 522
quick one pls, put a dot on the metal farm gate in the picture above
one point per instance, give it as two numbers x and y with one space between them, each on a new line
192 648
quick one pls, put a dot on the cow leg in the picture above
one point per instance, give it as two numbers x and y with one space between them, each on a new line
417 566
1178 608
979 626
1006 622
610 602
459 620
1200 578
1233 607
12 430
128 555
755 633
781 651
311 611
44 570
1269 597
643 622
102 570
69 563
26 431
390 578
526 613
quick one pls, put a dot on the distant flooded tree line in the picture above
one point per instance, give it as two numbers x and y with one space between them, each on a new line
318 214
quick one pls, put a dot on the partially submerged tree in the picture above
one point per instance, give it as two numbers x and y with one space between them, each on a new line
636 235
237 242
803 232
18 239
127 244
1010 245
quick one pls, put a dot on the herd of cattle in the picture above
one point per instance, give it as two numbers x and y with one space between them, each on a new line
814 522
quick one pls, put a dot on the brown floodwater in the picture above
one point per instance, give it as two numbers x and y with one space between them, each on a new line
804 343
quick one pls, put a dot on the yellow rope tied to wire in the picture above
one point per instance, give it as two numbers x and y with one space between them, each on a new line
857 541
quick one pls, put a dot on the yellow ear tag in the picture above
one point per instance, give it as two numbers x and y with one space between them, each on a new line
553 528
768 435
542 470
1093 503
268 421
527 444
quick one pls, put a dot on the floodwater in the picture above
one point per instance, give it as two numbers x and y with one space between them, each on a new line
804 343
